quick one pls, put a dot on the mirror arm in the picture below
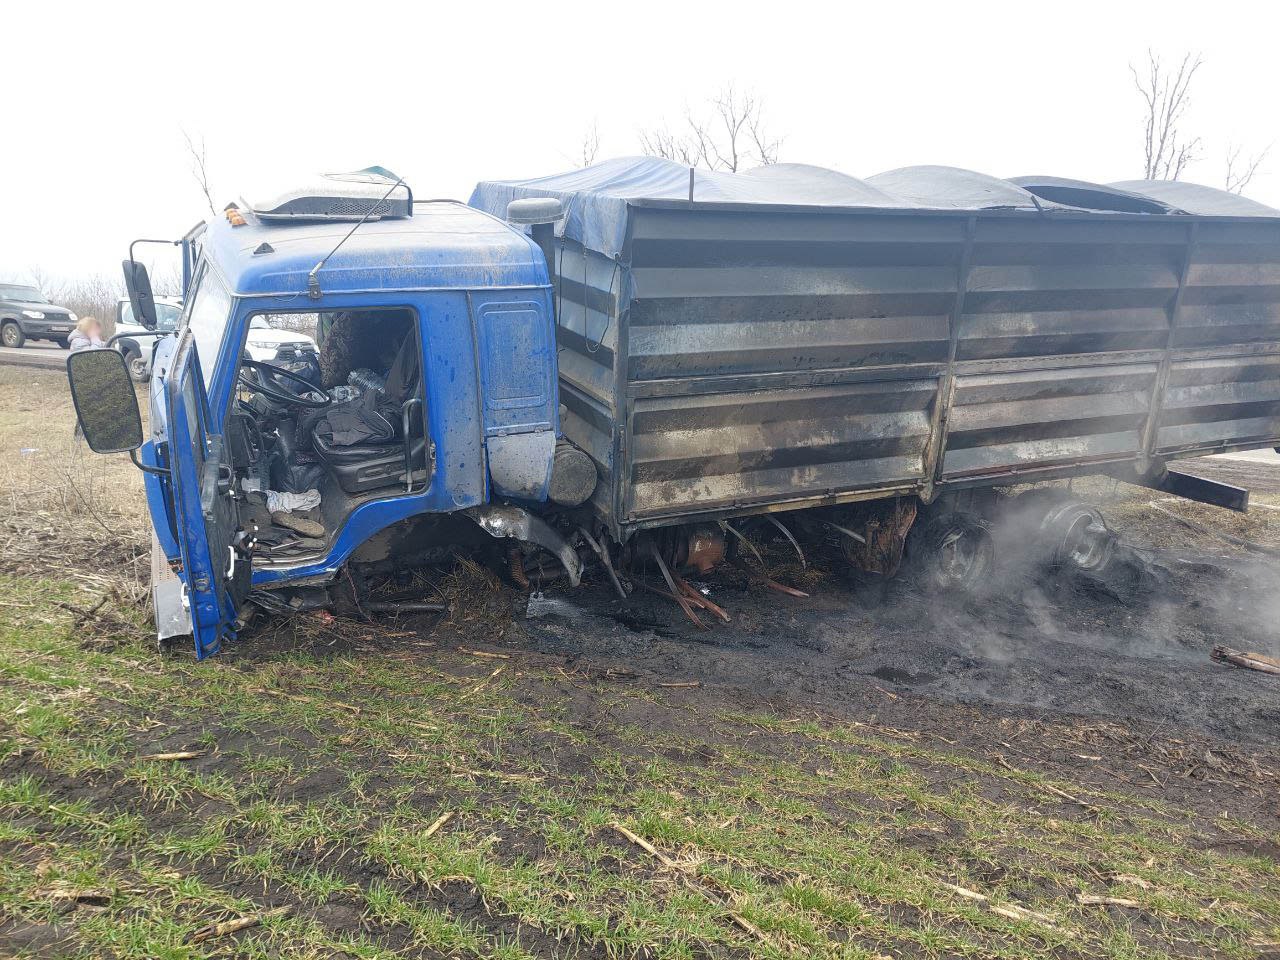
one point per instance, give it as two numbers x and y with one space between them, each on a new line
147 468
170 243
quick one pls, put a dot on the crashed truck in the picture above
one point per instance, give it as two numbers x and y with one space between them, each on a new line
637 364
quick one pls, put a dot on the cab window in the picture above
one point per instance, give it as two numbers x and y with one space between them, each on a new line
208 312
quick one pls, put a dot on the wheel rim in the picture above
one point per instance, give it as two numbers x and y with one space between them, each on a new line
962 555
1088 543
9 335
138 368
956 557
1079 537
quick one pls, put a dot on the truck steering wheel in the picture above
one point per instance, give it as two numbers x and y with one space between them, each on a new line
310 396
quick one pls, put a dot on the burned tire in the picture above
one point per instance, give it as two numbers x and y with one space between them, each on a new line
952 552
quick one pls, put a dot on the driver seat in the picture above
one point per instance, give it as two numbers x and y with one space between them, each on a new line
361 467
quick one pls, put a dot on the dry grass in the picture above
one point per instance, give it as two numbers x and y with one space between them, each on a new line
64 510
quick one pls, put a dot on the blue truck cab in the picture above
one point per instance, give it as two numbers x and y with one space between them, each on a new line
433 395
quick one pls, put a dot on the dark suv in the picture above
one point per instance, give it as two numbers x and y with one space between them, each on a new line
25 314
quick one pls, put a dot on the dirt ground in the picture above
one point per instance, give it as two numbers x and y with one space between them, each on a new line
1053 767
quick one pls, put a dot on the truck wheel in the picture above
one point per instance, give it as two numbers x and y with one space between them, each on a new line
952 552
137 365
1079 537
11 335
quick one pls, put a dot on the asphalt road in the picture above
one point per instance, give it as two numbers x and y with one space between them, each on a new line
34 354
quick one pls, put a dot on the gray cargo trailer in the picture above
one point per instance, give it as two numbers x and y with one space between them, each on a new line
791 337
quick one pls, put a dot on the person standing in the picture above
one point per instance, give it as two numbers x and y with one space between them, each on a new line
88 334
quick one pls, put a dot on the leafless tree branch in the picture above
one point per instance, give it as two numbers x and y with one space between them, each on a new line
1241 173
200 169
1165 94
661 142
591 144
734 136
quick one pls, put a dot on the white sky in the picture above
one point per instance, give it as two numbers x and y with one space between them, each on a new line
93 97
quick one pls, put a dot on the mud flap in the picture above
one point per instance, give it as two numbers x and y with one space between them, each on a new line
168 597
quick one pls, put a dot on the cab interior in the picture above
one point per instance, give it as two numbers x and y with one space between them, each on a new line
316 432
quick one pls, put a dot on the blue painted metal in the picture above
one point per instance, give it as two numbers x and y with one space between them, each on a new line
443 246
203 563
154 453
482 299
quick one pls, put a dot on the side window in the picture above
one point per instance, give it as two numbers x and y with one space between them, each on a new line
207 314
191 402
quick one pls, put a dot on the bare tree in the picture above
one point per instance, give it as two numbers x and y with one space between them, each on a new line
733 136
1166 94
166 280
591 144
670 146
91 295
200 169
1240 173
41 280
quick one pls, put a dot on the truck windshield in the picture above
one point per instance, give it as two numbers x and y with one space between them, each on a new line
12 291
208 311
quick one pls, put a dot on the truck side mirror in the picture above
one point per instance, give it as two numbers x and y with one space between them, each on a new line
138 283
105 402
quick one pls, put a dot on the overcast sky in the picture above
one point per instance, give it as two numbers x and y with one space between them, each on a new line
96 96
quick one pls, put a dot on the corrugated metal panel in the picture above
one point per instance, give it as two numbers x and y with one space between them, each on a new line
1223 382
1003 421
720 450
586 291
788 357
1210 404
1074 315
774 357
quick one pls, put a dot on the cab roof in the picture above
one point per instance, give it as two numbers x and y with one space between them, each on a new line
444 245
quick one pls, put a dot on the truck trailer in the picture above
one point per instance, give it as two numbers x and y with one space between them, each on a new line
636 362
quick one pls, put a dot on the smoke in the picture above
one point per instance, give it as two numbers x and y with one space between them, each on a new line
1145 604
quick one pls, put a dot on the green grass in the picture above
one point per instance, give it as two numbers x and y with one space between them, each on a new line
777 837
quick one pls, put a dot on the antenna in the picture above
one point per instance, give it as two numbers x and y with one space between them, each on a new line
313 282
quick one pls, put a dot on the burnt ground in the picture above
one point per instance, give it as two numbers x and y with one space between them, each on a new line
1132 648
1131 645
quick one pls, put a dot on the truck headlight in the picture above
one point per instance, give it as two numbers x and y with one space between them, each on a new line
33 314
74 316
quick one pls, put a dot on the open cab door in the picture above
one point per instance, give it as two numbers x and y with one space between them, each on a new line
216 552
193 496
